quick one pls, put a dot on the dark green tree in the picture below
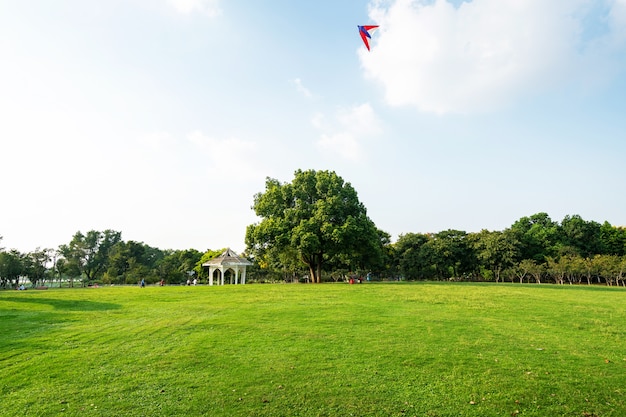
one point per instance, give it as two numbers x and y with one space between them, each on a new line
201 271
36 265
319 216
411 258
88 255
178 265
131 261
612 240
580 237
451 253
537 236
11 268
496 251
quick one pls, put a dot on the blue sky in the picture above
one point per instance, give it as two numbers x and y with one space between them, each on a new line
162 118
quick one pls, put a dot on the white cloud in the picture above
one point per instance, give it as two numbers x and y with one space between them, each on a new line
301 88
351 127
318 121
483 54
360 120
232 158
208 7
617 21
344 144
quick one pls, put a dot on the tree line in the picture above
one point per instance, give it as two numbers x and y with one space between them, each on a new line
315 229
101 257
316 224
534 249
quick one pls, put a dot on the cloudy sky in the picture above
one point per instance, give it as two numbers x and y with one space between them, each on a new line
162 118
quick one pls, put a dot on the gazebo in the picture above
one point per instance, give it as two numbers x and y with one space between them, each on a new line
228 260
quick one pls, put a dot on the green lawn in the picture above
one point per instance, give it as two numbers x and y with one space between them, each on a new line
314 350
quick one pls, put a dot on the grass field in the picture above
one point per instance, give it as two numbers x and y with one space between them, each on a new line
397 349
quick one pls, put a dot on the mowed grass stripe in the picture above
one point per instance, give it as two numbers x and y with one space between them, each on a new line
314 350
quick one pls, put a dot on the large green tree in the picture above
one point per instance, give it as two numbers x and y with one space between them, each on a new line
131 261
11 267
319 215
35 265
450 253
537 236
411 257
579 236
496 250
88 254
178 265
612 239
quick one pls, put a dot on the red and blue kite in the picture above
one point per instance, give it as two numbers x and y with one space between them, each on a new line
366 33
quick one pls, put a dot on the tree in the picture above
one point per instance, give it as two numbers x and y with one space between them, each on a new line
206 256
537 270
537 236
582 236
496 250
178 266
410 257
60 267
558 268
11 268
318 215
129 262
35 265
451 253
524 268
277 265
88 254
612 239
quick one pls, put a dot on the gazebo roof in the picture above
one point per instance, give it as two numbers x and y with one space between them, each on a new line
228 258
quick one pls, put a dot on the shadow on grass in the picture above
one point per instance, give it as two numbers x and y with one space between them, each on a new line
67 305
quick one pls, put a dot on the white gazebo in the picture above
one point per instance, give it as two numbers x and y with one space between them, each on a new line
224 262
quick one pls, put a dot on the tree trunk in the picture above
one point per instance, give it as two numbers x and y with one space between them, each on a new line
314 262
319 268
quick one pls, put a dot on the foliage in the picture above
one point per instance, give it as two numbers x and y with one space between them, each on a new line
201 271
319 217
537 236
130 262
11 268
534 248
496 250
88 255
178 266
36 265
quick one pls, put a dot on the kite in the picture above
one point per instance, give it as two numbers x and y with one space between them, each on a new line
365 32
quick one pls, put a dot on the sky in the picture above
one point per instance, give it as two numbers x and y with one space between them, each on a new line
162 119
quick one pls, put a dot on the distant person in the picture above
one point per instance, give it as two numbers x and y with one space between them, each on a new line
143 283
162 282
195 281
